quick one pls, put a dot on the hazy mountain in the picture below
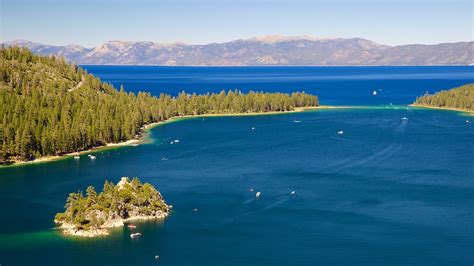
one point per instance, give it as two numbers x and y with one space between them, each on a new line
269 50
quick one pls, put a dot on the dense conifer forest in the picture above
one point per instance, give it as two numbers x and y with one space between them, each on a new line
51 107
460 98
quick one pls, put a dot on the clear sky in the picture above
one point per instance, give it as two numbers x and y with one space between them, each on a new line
92 22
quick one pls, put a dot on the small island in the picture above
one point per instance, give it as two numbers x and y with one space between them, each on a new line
459 99
91 215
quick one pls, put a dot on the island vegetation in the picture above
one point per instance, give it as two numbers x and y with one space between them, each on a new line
92 214
49 107
460 98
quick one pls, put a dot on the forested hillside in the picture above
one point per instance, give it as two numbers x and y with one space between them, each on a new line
50 107
460 98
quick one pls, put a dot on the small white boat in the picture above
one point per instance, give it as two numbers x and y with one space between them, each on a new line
297 121
253 128
77 157
404 118
134 145
195 210
135 235
176 140
92 157
88 155
157 257
292 193
257 195
164 159
467 121
374 93
172 142
131 226
251 189
340 132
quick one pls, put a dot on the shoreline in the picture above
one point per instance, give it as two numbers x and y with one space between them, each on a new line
53 158
71 230
145 129
466 111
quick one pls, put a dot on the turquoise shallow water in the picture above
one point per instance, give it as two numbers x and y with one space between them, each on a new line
387 192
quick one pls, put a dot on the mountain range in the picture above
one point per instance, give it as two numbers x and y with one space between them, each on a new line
269 50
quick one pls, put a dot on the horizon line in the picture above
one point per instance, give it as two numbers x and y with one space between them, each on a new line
260 38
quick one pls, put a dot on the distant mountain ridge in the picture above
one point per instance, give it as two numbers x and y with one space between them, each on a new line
260 51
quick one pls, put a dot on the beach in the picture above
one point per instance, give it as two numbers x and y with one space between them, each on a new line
467 112
147 127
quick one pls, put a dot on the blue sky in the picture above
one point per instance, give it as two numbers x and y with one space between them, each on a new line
90 23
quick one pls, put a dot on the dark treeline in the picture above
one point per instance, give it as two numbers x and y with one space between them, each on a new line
50 107
461 97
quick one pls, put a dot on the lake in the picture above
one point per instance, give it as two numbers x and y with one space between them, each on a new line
333 85
389 191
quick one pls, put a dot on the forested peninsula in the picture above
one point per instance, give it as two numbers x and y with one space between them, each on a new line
92 214
49 107
460 98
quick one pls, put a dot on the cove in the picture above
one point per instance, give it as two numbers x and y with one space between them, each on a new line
388 191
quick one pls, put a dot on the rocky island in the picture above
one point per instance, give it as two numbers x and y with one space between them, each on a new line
91 215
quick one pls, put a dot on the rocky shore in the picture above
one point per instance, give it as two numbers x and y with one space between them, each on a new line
92 215
72 230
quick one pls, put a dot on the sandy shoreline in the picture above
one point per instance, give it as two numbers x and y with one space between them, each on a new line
71 154
296 110
147 127
468 112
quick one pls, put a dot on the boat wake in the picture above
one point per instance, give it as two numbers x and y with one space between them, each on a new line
275 202
384 153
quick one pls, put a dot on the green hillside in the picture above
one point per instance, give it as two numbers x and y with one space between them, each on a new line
50 107
459 98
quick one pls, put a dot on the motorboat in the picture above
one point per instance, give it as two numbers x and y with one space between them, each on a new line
135 235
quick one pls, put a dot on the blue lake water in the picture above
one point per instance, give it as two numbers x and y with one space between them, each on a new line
333 85
386 192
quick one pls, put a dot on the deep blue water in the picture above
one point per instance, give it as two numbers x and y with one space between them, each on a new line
333 85
386 192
